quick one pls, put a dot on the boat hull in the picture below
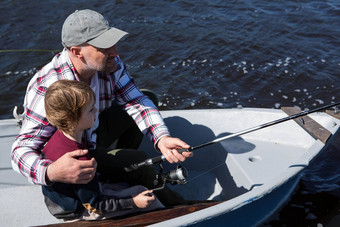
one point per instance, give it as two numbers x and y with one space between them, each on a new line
250 176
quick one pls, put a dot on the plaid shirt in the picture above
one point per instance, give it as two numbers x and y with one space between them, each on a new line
26 154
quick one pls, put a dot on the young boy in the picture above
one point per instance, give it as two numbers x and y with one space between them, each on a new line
70 107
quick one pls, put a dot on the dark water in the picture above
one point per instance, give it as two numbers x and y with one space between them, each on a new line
206 54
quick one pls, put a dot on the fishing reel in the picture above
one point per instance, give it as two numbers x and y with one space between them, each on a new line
175 176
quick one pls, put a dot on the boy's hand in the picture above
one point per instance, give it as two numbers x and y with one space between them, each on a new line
144 199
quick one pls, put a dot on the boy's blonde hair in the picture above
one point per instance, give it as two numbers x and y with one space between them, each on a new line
64 103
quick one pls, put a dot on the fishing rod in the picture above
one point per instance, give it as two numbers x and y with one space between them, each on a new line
159 159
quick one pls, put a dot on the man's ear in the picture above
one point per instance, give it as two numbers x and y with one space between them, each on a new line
76 51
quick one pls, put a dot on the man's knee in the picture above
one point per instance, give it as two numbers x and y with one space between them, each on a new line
130 156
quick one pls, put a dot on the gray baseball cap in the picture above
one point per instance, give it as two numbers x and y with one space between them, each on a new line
88 26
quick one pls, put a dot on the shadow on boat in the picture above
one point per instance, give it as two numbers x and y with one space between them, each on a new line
209 176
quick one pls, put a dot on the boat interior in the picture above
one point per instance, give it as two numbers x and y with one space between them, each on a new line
227 169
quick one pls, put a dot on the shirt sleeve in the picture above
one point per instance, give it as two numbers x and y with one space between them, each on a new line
26 156
139 106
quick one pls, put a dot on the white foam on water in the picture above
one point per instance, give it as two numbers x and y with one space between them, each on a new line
320 101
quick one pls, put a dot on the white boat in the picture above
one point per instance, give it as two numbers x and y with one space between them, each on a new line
250 175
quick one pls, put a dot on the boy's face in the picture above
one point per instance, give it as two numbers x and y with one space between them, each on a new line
88 116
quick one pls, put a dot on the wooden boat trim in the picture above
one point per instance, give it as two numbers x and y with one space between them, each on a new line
307 123
334 113
142 219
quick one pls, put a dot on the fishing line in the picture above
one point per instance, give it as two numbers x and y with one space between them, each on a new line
205 172
29 50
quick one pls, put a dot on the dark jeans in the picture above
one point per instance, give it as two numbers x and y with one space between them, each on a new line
117 126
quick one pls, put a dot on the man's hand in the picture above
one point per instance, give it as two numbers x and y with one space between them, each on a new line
169 145
68 169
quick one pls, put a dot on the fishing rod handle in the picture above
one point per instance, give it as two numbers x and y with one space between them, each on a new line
185 150
155 160
147 162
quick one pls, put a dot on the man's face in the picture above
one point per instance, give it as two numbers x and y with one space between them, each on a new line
99 59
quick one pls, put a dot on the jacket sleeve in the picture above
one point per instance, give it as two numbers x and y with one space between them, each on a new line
93 200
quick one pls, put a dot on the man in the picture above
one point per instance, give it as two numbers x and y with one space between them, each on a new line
90 55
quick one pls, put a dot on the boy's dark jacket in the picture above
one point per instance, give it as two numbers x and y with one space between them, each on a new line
69 201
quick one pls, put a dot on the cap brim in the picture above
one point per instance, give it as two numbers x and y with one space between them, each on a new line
108 38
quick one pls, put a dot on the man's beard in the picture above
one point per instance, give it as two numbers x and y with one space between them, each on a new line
106 68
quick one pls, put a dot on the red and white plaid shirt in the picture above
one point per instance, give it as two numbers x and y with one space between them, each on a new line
26 154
